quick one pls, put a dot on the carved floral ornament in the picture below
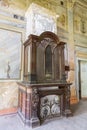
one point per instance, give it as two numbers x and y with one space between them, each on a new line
50 106
47 41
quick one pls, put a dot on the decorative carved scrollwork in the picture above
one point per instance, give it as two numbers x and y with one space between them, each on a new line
35 100
67 97
47 41
50 106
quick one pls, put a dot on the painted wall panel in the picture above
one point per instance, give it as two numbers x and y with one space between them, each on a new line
10 54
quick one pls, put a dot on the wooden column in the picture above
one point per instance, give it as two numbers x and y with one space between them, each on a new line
30 55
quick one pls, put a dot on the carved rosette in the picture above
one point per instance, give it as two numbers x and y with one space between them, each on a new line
35 101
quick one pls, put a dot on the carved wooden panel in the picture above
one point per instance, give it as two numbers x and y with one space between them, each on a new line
44 58
50 106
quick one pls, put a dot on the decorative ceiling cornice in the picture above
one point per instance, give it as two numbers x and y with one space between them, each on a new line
52 5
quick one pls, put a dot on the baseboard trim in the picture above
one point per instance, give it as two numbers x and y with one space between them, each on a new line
8 111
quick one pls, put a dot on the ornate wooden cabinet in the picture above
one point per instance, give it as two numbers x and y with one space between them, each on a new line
44 93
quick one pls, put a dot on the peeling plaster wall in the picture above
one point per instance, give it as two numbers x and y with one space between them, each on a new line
9 87
8 95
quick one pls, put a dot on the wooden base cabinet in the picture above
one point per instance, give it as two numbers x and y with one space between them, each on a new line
40 102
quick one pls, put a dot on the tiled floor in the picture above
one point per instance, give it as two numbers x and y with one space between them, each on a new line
77 122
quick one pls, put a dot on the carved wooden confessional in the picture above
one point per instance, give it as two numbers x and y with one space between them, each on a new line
44 92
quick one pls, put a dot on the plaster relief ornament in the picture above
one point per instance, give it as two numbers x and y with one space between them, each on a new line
70 3
83 26
76 22
62 19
